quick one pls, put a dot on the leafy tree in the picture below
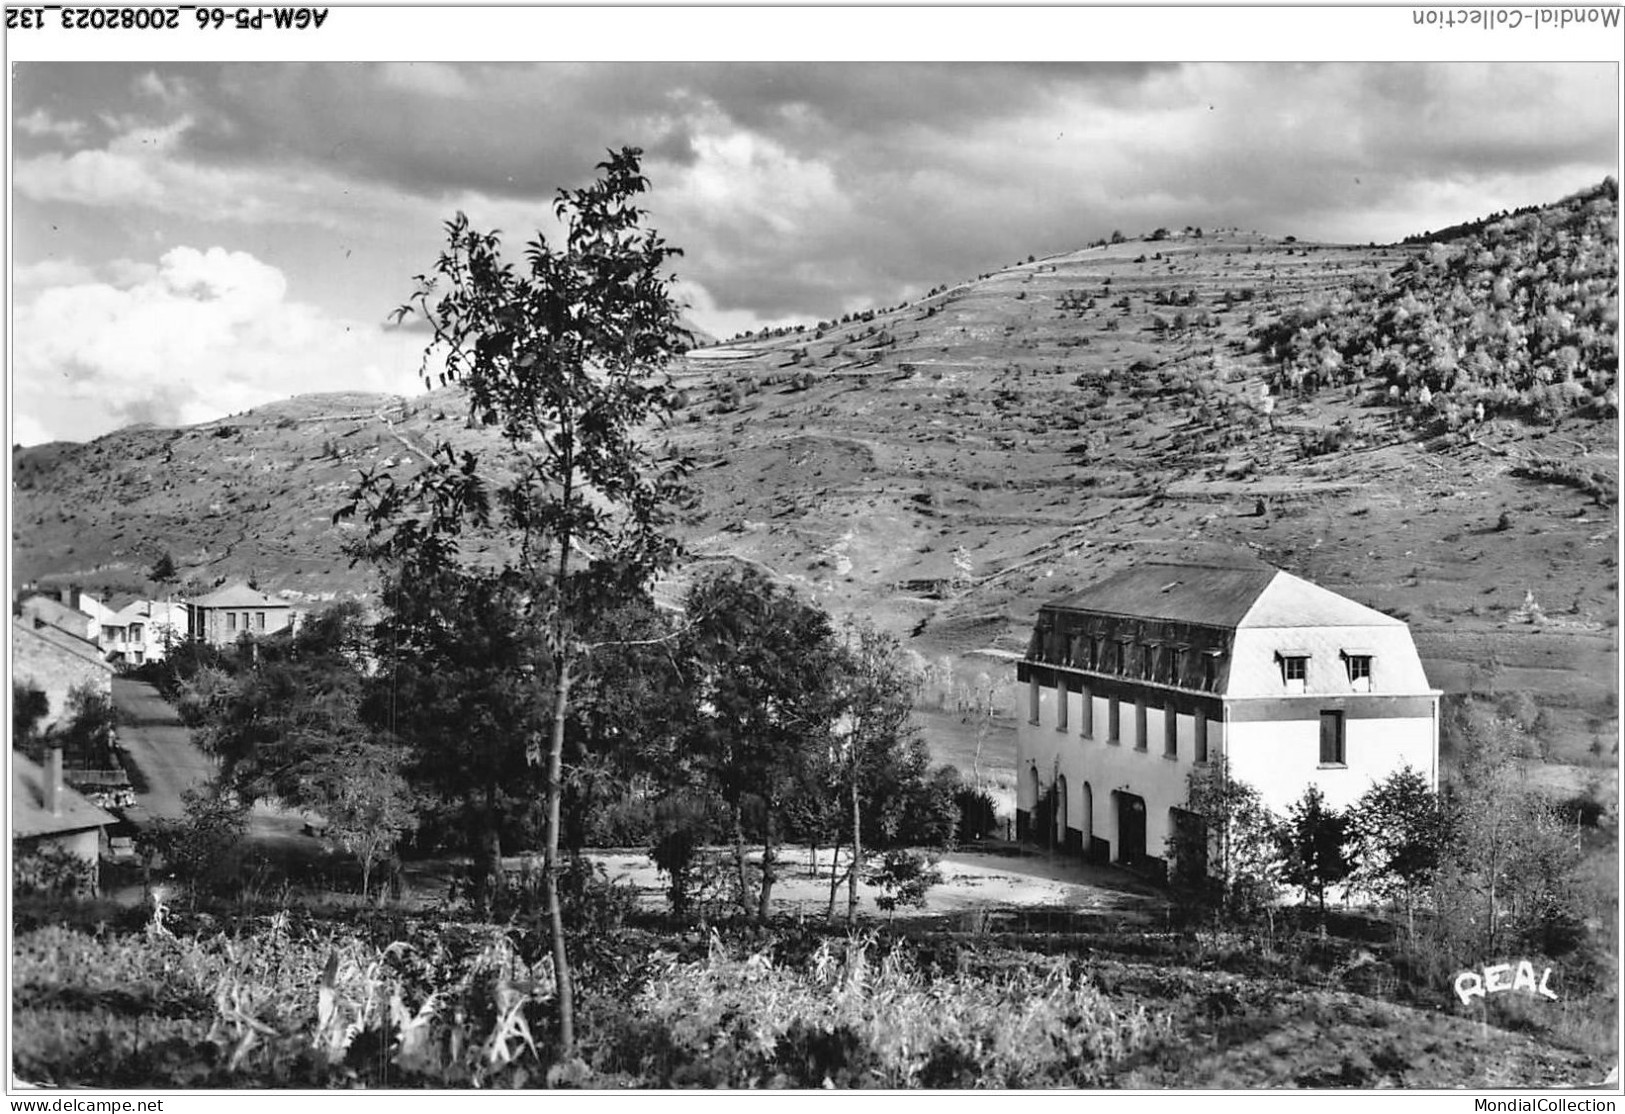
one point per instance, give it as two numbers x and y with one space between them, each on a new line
1315 846
368 805
29 706
630 709
1509 869
764 666
291 730
882 765
163 571
565 356
1402 830
203 848
1235 840
457 688
89 728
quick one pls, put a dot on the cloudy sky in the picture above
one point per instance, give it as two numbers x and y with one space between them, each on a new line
190 240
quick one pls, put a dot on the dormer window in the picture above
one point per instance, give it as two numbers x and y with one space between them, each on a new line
1358 664
1294 668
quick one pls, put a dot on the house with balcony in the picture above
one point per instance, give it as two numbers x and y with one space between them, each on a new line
142 631
1164 667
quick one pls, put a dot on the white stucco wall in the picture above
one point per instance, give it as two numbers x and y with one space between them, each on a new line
1280 758
1105 767
1277 756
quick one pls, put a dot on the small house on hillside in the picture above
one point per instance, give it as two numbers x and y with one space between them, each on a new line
55 662
47 813
1163 667
226 614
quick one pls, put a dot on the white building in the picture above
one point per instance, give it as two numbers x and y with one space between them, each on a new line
1135 680
143 630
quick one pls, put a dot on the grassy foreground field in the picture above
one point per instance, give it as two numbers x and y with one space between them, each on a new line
1029 998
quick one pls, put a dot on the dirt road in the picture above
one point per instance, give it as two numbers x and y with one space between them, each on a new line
160 747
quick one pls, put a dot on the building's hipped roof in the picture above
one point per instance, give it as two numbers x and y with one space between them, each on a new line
61 639
1210 594
237 595
28 814
1291 601
1242 595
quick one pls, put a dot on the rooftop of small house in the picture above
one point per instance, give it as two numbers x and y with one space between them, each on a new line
28 626
31 816
237 595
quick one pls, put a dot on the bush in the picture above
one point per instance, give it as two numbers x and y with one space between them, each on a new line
204 850
903 878
50 870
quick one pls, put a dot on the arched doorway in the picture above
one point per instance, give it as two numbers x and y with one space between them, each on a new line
1060 810
1038 818
1130 811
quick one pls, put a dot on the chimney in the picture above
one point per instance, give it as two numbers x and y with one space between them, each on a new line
53 782
74 594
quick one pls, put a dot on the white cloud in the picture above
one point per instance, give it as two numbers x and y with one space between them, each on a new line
207 333
434 78
171 90
49 272
40 122
26 431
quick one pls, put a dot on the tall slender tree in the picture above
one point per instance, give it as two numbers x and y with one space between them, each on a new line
565 355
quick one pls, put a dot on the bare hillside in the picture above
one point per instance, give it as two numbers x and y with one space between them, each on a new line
946 465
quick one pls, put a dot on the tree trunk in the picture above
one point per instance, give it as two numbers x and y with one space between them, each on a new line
857 852
739 857
488 854
834 878
550 861
769 871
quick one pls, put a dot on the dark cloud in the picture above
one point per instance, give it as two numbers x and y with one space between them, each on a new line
862 180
